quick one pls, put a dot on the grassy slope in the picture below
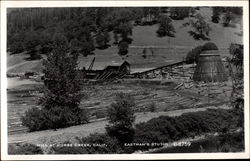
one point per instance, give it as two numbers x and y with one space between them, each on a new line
146 35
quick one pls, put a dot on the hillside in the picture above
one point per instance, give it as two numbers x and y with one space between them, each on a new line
175 49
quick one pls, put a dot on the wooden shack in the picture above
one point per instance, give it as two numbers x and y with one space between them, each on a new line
110 72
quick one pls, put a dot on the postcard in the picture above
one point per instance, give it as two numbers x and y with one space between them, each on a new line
93 80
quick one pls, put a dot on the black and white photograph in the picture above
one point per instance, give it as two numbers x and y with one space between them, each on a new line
125 79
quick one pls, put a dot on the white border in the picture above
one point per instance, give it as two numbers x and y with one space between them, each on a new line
9 4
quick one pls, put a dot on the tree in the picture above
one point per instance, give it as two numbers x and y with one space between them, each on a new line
201 28
124 30
123 48
62 93
165 27
63 89
121 118
116 38
179 13
216 15
236 51
193 55
46 42
102 39
192 11
227 18
16 42
87 48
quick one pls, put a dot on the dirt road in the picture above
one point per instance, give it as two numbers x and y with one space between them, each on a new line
69 134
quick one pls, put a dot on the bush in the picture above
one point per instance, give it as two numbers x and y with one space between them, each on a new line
100 114
209 46
40 119
163 129
16 47
152 107
34 56
34 119
121 118
26 149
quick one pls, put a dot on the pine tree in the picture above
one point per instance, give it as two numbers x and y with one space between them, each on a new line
62 93
227 18
201 28
216 15
62 83
165 27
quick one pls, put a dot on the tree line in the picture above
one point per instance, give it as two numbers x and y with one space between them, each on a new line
32 29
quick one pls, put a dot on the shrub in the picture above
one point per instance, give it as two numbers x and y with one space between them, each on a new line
165 129
34 119
152 107
59 117
26 149
162 130
100 114
16 47
121 118
40 119
209 46
236 52
35 56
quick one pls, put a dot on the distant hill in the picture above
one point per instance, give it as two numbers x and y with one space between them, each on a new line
146 36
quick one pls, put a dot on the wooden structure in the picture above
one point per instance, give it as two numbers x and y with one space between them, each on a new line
110 72
158 69
210 68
